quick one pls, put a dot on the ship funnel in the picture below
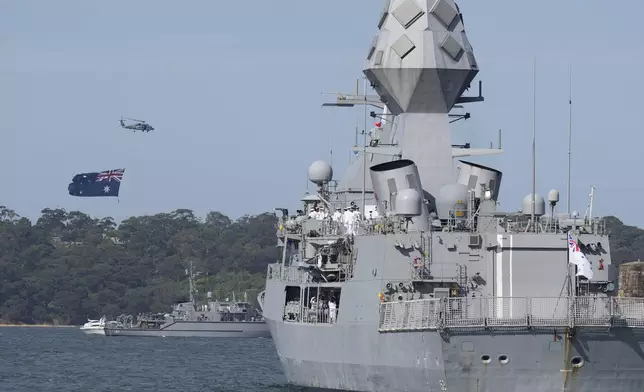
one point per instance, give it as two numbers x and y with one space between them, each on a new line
398 191
477 177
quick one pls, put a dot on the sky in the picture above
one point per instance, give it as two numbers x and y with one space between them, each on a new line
234 90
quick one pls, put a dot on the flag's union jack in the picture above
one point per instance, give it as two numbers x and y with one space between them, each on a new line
110 175
572 244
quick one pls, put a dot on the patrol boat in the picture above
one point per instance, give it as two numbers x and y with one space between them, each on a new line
441 291
214 319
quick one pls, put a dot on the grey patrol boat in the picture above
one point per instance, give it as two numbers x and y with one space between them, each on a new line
214 319
435 289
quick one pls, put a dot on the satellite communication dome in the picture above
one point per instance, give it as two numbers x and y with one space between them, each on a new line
320 172
409 202
553 196
539 205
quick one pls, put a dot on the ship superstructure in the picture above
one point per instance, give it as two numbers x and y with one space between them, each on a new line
404 276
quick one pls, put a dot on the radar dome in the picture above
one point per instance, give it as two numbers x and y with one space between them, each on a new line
408 202
320 172
451 197
553 196
539 205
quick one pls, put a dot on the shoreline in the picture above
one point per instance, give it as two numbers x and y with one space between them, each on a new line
38 326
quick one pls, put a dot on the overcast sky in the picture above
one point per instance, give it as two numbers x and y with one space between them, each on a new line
233 89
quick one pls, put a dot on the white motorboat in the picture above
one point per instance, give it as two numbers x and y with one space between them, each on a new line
94 327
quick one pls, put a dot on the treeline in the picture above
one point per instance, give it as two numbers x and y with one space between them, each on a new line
68 266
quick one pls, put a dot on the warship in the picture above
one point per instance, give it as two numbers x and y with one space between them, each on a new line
188 319
417 281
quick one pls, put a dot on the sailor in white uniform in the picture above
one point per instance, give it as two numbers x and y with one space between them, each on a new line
322 213
332 310
356 217
315 214
336 220
347 221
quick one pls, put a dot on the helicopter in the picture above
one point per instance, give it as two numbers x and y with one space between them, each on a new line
139 126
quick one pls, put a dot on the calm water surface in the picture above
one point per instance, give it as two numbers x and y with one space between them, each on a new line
65 359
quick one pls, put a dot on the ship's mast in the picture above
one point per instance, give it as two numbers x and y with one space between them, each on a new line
534 146
364 151
569 133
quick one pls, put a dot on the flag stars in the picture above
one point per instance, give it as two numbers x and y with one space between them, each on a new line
106 189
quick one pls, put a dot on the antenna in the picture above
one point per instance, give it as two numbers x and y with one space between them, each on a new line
192 284
569 131
534 142
364 150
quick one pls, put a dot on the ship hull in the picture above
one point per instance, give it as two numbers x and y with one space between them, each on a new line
198 329
357 358
94 331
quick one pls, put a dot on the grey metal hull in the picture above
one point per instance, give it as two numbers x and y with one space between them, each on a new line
358 358
204 329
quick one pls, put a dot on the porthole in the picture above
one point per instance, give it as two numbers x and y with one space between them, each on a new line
577 362
503 359
486 359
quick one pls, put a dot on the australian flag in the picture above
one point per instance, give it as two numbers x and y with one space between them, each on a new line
105 183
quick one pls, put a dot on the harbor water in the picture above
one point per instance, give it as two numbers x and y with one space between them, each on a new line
65 359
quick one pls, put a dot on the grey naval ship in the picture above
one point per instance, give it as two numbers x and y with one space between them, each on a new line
418 283
215 319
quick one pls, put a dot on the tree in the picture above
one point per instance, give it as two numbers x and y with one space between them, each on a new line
69 266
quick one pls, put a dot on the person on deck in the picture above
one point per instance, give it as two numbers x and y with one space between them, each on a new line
332 310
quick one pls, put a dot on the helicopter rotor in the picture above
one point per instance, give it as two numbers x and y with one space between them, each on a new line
134 119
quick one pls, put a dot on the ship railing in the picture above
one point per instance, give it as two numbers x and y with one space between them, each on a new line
511 312
317 315
550 312
293 274
628 312
330 227
592 311
595 226
371 226
415 315
347 268
379 225
287 273
273 272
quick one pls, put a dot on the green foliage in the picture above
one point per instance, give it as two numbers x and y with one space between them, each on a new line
69 266
626 242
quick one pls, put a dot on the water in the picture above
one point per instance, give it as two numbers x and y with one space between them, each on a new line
65 359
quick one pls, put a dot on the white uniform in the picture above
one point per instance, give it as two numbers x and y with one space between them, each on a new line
336 218
313 214
332 309
347 220
355 221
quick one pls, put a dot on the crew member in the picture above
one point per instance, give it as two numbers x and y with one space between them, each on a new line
332 310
